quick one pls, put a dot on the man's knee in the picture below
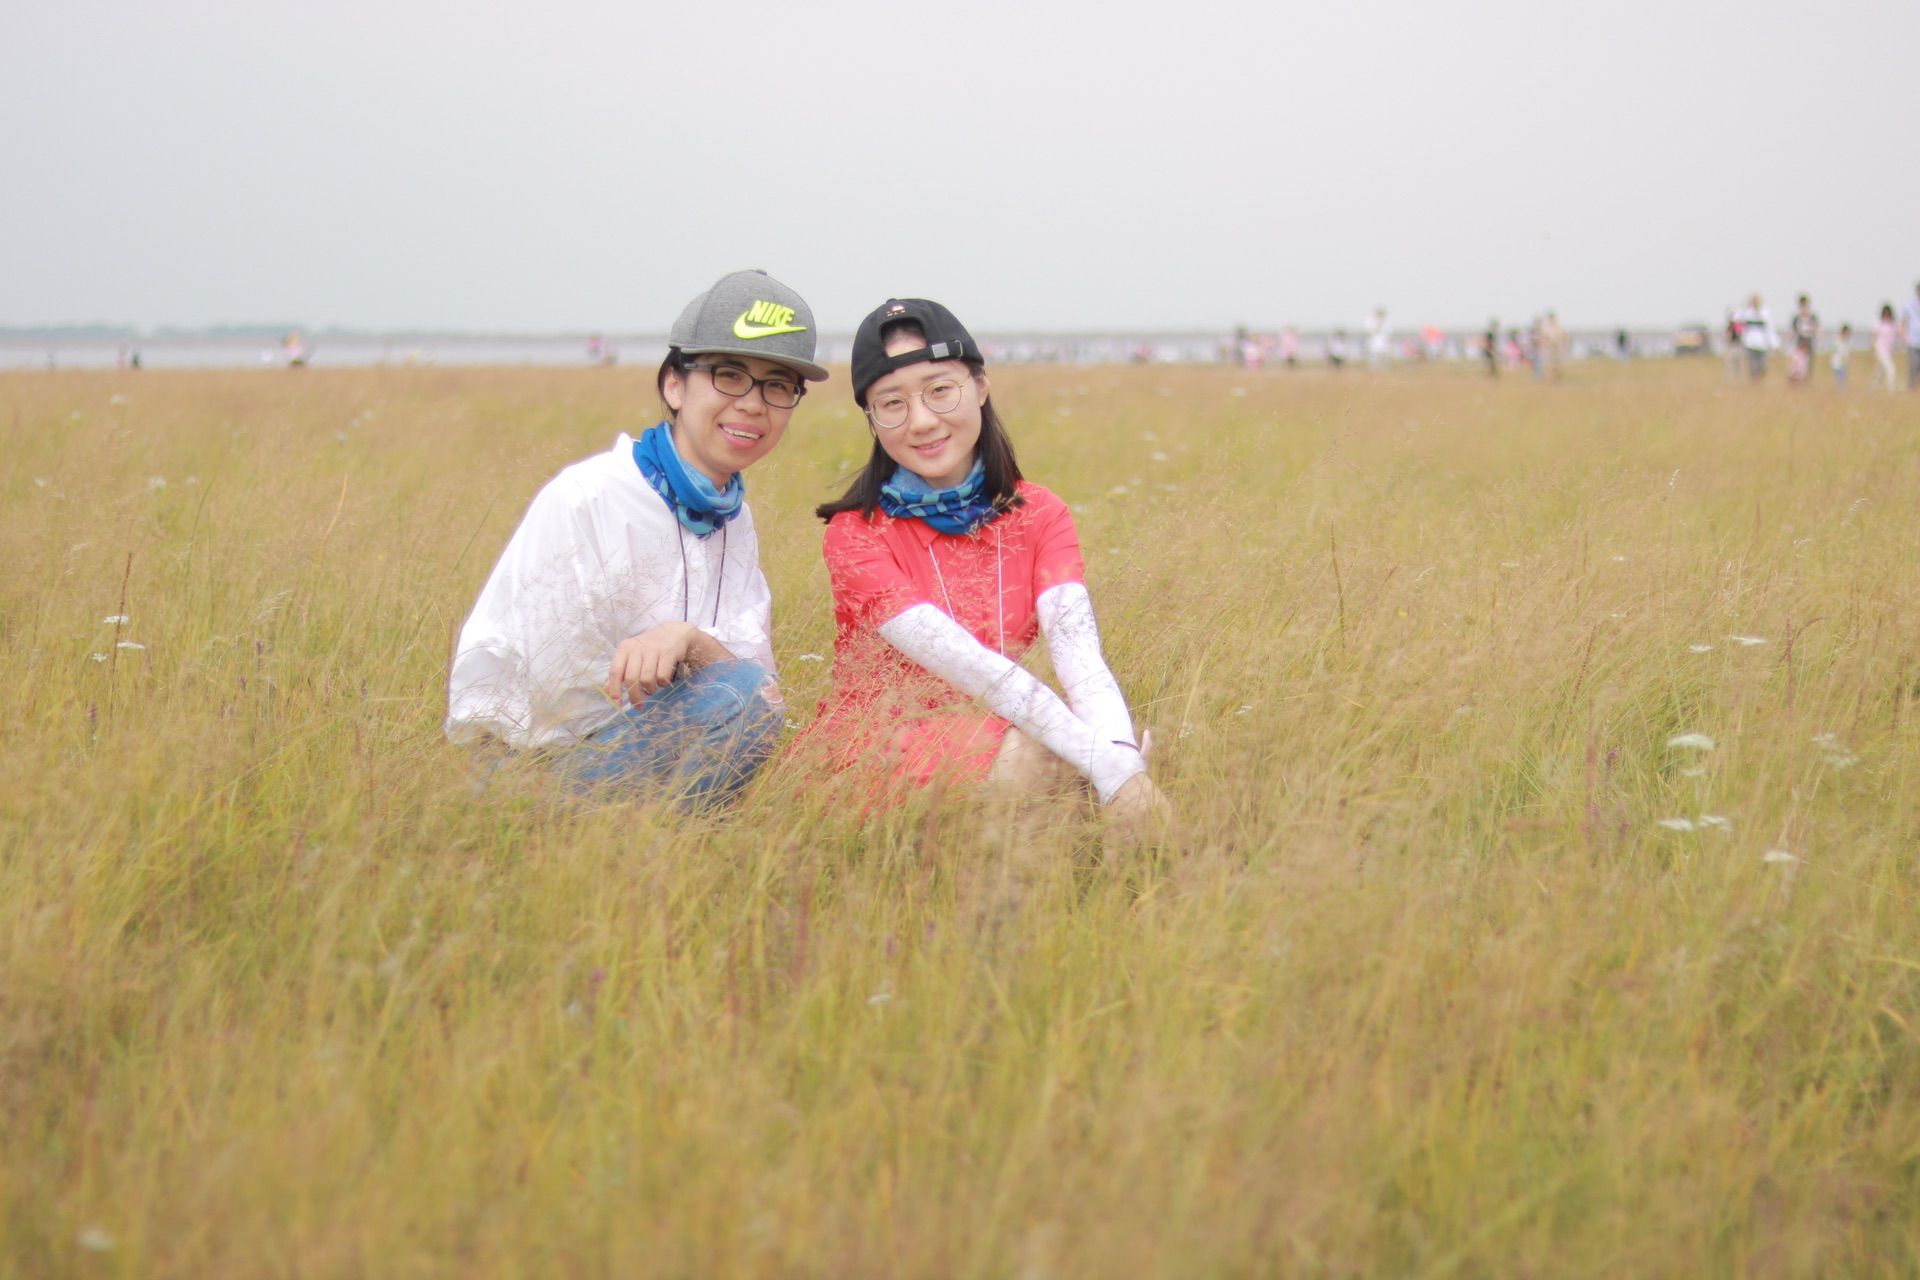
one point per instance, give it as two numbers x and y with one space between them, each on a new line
738 725
737 691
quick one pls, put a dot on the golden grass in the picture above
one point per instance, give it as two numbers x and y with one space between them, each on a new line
1431 993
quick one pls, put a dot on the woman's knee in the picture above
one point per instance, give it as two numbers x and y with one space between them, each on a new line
1025 767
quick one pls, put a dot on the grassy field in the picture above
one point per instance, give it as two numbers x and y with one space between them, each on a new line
1471 965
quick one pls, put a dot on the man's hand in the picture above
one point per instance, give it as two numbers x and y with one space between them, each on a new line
648 662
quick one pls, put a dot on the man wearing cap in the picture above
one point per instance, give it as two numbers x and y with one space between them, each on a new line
624 633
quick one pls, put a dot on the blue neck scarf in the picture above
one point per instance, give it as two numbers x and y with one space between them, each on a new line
961 509
698 506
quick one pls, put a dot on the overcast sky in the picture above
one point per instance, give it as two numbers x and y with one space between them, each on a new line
580 165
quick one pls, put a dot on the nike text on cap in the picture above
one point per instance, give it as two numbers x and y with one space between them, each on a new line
749 313
947 339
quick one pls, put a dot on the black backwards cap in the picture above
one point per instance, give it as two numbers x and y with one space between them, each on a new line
947 339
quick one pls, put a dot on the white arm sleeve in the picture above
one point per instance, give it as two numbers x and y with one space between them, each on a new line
943 647
741 599
1073 639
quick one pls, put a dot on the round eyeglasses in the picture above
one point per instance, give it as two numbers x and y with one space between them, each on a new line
779 391
891 409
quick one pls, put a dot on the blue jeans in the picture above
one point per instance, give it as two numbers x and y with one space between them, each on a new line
701 738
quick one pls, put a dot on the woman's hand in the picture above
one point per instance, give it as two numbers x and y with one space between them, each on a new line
648 662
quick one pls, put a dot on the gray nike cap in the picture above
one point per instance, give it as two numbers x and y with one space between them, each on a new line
749 313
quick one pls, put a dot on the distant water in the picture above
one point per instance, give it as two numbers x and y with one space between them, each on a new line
360 351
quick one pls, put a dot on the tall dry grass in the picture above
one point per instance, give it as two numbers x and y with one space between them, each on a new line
1430 991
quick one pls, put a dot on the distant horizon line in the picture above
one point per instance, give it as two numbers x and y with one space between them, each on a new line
103 331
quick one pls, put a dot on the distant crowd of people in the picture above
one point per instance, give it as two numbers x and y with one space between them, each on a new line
1544 346
1751 340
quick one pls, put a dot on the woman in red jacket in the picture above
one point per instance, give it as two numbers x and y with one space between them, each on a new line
946 566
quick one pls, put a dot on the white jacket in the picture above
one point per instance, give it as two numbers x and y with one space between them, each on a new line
599 557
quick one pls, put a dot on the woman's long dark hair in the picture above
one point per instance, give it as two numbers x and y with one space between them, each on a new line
994 448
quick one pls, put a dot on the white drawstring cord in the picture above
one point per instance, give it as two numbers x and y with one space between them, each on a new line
686 579
999 591
999 587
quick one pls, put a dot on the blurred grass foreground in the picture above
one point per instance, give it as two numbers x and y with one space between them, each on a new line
1547 755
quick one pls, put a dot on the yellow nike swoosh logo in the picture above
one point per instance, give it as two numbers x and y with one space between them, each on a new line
741 329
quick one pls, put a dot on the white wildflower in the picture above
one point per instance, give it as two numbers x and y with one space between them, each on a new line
96 1239
1676 824
1118 491
1619 559
1509 564
1748 641
879 998
1777 856
156 482
1694 771
1244 709
811 657
1689 742
1715 822
130 644
1158 456
99 657
1836 756
116 620
39 482
1699 648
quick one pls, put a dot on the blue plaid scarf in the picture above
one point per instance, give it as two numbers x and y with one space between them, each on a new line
961 509
698 506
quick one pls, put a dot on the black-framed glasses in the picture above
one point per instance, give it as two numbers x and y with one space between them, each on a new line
780 391
890 410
